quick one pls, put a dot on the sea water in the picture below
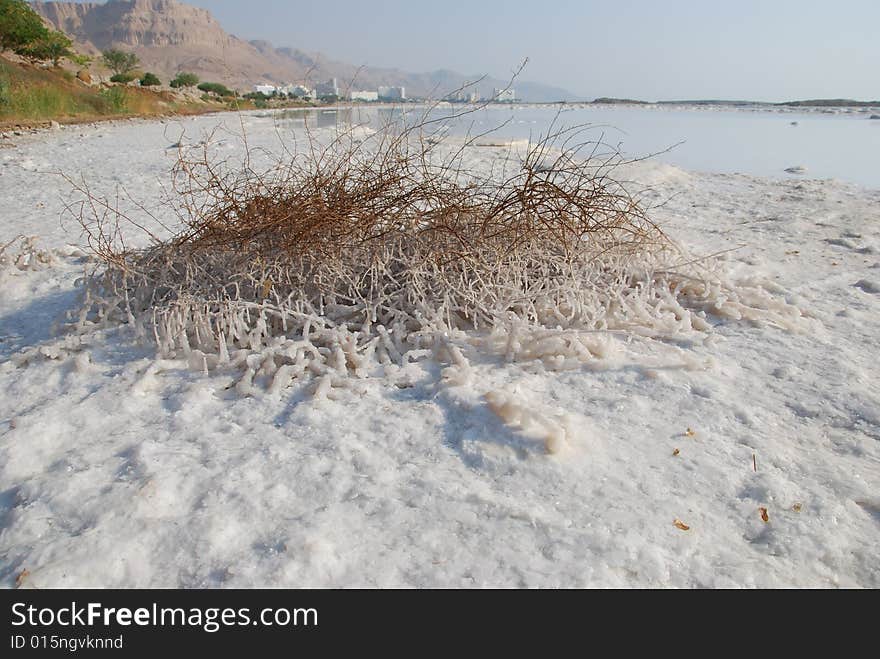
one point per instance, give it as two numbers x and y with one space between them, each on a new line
832 143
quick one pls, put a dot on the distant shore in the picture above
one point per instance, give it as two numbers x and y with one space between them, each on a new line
814 103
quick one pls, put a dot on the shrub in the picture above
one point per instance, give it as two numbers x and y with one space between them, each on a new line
120 62
20 26
216 88
150 80
185 80
122 78
5 92
371 249
79 59
115 100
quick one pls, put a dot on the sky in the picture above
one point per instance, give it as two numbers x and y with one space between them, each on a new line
765 50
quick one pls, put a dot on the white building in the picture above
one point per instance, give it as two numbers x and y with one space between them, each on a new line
329 88
392 93
504 95
369 97
464 96
268 90
300 91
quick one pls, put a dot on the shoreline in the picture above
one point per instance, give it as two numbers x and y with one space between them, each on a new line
11 126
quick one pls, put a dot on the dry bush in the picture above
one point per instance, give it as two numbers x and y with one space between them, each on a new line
23 253
377 247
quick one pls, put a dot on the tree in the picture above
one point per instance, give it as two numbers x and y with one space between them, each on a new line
20 26
53 47
185 80
120 62
150 80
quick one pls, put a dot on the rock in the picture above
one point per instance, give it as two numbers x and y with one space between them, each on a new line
84 76
874 116
54 125
798 169
868 286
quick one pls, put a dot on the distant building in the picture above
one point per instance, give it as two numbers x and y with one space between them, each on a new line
464 97
268 90
392 93
363 96
504 95
329 88
301 91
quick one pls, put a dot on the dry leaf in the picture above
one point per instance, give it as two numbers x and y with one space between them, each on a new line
19 580
681 525
796 507
676 452
690 432
267 288
764 514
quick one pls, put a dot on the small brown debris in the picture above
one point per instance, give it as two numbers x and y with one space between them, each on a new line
690 432
755 462
678 523
797 507
19 580
676 452
764 514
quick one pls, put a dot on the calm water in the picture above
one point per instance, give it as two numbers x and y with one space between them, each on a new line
844 146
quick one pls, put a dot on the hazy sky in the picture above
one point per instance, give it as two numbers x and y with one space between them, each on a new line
653 49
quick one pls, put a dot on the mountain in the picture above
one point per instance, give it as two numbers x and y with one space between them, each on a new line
169 36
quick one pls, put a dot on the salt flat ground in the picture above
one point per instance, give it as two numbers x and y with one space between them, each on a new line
120 470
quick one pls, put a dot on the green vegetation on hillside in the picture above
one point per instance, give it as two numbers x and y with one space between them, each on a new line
120 62
52 48
19 26
122 78
185 80
150 80
31 95
216 88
